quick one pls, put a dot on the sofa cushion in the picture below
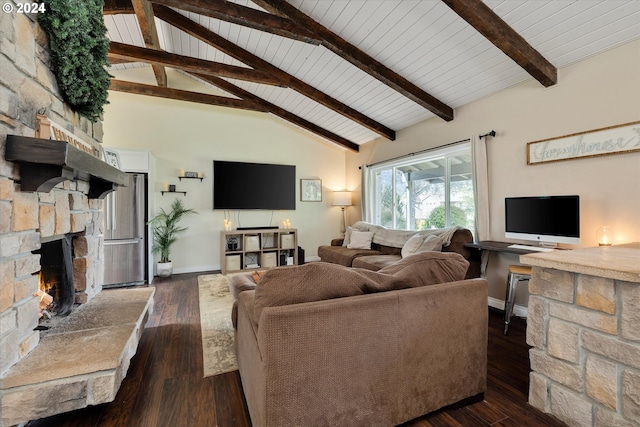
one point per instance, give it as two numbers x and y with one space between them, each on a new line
240 283
428 268
375 262
360 240
319 281
341 255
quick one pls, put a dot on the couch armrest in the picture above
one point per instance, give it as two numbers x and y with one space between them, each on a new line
340 354
337 242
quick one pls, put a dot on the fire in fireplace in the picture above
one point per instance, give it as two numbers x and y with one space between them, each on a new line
56 275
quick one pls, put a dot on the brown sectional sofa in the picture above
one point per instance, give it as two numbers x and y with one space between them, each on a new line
325 345
381 255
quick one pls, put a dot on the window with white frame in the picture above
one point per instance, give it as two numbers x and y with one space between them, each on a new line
430 190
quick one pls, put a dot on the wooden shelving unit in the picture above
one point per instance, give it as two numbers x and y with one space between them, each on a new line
257 249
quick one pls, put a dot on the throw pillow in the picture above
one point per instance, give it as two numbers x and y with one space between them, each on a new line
347 236
360 240
429 243
411 245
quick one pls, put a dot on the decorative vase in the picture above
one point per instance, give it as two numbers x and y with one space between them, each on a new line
164 269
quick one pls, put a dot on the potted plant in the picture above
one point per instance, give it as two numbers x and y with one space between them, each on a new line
165 228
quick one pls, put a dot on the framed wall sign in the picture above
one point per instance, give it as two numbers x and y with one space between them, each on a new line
311 190
111 157
618 139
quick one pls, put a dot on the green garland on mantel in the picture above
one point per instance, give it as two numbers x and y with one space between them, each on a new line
79 47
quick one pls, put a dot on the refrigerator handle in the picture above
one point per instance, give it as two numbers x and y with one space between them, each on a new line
139 204
114 211
107 212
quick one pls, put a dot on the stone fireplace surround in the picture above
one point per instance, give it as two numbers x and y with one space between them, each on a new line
584 327
92 376
26 87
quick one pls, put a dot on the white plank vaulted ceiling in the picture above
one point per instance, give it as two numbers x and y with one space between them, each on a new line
424 41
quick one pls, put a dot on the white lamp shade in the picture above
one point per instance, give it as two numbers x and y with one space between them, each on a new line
342 198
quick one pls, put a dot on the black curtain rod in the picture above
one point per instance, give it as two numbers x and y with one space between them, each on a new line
491 133
417 152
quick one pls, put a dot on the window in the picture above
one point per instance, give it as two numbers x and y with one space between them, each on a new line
432 190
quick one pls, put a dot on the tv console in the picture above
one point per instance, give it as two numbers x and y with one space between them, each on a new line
257 248
264 227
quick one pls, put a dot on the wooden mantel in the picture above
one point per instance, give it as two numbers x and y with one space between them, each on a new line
44 163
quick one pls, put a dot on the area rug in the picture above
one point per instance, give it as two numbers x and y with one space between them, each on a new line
216 302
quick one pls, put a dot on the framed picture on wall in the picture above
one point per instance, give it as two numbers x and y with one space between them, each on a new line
111 157
311 190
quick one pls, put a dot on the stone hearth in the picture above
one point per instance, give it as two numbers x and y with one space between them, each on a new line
103 334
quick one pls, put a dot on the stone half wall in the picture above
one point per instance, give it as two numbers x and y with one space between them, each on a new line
585 360
27 86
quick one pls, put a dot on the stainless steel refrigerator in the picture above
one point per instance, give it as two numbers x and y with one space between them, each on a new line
124 234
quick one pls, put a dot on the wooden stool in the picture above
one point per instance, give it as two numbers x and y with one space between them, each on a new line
517 273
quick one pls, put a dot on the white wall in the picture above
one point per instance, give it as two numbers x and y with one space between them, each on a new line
189 136
598 92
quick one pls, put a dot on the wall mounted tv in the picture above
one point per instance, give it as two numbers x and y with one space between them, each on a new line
238 185
545 219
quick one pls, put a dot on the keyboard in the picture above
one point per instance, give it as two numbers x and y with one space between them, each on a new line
531 248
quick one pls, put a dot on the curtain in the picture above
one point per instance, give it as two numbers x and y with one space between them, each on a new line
366 196
481 193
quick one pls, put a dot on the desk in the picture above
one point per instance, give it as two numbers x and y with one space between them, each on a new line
487 246
495 246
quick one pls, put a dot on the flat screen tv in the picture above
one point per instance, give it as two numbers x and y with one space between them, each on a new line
239 185
545 219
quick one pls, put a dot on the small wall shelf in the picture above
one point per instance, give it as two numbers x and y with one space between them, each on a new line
167 191
191 177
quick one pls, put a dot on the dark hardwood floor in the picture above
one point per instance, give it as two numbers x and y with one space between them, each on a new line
164 385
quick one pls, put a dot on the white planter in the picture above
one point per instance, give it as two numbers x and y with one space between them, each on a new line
164 269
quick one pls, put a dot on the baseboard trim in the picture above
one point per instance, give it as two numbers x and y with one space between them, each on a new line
518 310
199 269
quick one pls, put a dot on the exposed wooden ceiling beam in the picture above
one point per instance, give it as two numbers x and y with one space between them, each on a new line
188 63
144 14
115 7
486 22
114 61
360 59
190 27
280 112
183 95
245 16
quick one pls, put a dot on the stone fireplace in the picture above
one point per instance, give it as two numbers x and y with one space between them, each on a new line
27 86
94 348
